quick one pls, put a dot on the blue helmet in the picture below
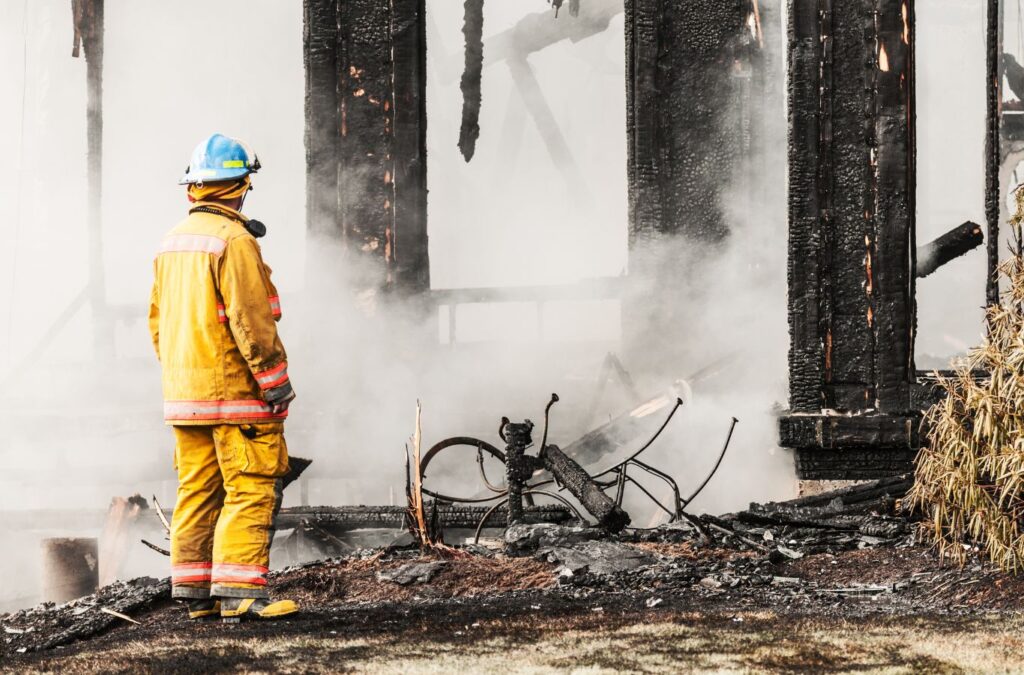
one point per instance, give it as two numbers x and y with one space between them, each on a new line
220 158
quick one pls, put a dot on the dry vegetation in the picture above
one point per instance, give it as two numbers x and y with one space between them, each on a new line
970 479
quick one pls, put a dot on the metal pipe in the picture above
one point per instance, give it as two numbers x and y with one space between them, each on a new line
721 456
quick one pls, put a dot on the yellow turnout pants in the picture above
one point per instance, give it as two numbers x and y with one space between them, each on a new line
229 490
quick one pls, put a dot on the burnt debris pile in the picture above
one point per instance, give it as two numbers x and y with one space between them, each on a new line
48 625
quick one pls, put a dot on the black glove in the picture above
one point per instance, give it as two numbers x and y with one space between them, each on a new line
279 397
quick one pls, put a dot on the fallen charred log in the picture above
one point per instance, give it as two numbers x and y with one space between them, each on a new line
853 517
572 476
46 626
346 518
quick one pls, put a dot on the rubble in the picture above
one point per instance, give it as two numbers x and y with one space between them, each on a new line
412 573
595 557
806 555
523 540
48 625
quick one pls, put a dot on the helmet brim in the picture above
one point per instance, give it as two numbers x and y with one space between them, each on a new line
215 175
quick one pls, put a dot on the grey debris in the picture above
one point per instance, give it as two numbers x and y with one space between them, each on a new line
596 557
412 573
523 540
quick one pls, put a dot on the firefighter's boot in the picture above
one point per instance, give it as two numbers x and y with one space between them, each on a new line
202 609
236 609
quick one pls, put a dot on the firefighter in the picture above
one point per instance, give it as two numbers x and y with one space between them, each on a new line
213 315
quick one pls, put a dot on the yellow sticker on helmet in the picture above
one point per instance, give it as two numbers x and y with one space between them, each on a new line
234 164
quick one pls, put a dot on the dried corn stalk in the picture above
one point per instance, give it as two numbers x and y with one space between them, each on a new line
969 480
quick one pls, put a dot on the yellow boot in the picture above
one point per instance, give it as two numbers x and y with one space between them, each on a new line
235 609
201 609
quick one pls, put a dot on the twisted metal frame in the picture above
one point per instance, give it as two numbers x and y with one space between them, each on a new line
616 477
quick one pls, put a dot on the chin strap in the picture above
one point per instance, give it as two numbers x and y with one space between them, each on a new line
254 227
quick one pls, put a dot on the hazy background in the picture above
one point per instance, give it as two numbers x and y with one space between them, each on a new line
82 429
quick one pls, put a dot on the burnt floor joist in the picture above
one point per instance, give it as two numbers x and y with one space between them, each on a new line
366 134
851 238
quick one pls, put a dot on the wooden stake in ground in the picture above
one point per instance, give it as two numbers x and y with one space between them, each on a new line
415 485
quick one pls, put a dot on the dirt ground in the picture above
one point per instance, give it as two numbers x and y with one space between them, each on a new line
872 610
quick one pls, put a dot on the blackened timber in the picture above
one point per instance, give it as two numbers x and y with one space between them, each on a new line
643 134
947 247
681 60
472 76
366 194
320 51
571 475
366 136
891 269
851 241
346 518
409 241
849 209
808 144
993 98
89 32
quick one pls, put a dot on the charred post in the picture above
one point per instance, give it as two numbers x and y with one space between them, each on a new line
319 42
518 466
950 246
88 23
366 135
681 61
409 242
472 76
851 241
342 519
694 105
70 569
993 114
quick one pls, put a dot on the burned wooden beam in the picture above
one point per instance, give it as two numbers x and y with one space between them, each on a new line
89 38
949 246
681 60
993 105
409 147
472 76
861 496
320 56
571 475
346 518
366 138
851 235
519 467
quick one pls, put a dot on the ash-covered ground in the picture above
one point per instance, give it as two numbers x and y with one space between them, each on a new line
822 584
